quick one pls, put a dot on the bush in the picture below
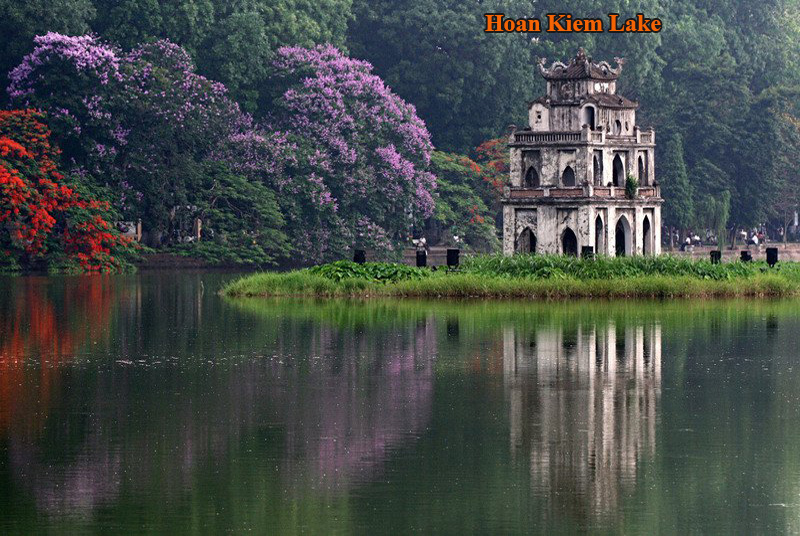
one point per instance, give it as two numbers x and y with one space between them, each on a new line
553 266
380 272
631 186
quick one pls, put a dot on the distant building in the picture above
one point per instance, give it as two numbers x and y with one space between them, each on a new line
567 190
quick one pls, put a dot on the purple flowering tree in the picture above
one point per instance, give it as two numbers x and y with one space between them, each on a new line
143 123
346 158
355 155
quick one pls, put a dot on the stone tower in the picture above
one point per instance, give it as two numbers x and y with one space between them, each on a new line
567 191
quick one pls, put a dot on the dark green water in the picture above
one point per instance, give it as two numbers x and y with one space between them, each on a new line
147 403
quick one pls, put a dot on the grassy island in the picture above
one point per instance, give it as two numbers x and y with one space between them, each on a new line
533 277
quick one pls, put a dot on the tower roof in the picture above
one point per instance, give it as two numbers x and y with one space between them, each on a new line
581 67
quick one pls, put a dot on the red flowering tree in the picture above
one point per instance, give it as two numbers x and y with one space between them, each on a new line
492 156
462 217
42 218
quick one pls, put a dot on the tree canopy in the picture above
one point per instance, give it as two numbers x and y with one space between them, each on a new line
329 111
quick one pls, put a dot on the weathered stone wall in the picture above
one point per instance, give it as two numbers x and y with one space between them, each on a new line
549 222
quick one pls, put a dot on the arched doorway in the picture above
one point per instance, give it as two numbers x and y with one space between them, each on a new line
618 175
588 117
569 243
568 177
526 243
642 175
531 178
647 235
622 237
599 236
598 171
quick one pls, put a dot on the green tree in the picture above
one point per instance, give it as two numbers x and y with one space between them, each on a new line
233 41
675 187
466 84
21 21
460 207
241 221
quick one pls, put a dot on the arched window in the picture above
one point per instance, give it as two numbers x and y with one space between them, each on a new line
569 243
526 243
531 178
642 175
617 127
618 176
599 237
588 117
622 237
568 177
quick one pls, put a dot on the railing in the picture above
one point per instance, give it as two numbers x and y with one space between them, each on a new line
593 136
546 137
578 191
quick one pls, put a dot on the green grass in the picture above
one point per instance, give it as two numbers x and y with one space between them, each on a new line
532 277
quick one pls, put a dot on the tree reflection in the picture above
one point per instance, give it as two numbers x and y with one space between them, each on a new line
583 409
43 323
324 403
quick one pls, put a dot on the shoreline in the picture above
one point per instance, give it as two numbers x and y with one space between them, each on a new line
468 284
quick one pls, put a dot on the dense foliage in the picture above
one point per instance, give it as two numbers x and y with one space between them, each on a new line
43 219
141 122
529 276
462 196
147 100
547 266
358 170
380 272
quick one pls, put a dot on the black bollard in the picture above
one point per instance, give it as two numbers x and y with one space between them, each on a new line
745 256
359 256
422 258
452 257
587 252
716 256
772 256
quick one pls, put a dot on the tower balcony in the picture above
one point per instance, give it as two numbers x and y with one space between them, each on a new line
585 135
514 193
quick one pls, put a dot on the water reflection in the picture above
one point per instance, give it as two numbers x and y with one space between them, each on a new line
583 409
357 400
316 405
149 404
44 325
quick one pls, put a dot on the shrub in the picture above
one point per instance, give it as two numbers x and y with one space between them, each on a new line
631 186
41 215
380 272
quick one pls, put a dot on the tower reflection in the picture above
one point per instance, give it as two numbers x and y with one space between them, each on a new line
583 409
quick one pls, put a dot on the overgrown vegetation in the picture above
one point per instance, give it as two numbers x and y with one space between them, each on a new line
528 276
167 109
557 266
377 272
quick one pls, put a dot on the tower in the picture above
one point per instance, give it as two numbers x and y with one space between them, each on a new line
569 169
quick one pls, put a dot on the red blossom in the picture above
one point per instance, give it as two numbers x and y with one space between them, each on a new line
35 207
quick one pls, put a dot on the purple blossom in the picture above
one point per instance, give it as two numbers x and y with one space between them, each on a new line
359 146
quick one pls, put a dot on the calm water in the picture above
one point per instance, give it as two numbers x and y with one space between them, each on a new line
149 404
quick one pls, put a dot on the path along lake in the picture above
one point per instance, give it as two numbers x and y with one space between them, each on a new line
148 403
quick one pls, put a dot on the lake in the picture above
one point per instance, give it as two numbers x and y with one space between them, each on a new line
148 403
